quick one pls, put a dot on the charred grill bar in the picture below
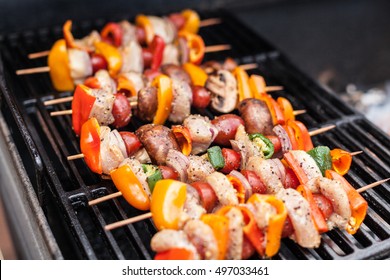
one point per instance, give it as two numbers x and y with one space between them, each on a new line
53 192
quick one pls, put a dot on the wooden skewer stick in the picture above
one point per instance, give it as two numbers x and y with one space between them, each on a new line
149 214
299 112
58 100
38 54
104 198
321 130
61 113
215 48
356 153
210 21
35 70
249 66
128 221
370 186
75 157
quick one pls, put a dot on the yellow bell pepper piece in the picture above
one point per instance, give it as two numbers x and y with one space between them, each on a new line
131 188
197 74
244 90
144 22
167 203
192 22
164 98
58 63
112 56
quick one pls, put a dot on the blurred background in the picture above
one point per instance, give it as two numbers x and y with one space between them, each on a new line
342 44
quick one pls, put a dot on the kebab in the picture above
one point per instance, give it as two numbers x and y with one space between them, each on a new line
171 218
145 28
169 99
70 63
171 209
162 148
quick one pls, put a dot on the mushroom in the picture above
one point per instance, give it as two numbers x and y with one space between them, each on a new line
223 88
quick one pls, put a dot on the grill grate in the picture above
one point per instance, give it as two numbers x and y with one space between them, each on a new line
65 187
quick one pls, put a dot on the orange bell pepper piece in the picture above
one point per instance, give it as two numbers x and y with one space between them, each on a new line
69 39
244 90
131 188
220 226
82 104
196 46
183 137
315 212
341 161
301 134
125 86
238 186
167 203
197 74
273 107
192 21
251 230
357 203
164 98
144 22
287 109
275 222
291 135
175 254
58 63
111 55
90 145
257 85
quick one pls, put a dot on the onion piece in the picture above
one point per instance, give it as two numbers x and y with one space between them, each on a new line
244 182
283 138
279 168
120 143
179 162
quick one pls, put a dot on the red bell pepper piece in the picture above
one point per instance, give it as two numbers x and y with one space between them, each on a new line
82 104
316 214
90 145
156 47
112 33
175 254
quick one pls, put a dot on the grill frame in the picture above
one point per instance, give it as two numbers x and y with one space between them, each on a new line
63 188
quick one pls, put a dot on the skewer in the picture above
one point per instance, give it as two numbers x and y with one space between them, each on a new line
210 21
370 186
149 214
35 70
38 54
203 23
133 104
321 130
118 194
314 132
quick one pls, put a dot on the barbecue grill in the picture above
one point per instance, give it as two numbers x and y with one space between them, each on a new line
47 196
